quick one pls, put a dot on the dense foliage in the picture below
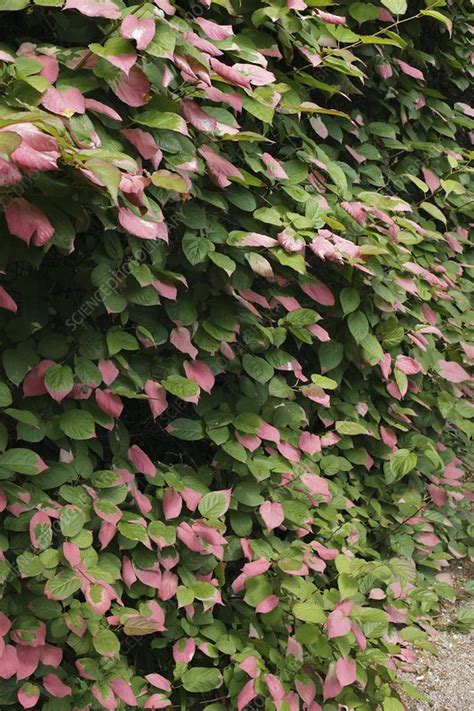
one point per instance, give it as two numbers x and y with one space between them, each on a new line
235 393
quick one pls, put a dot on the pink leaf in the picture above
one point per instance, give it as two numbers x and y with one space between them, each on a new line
140 30
309 443
157 701
101 108
40 529
345 671
438 495
133 88
105 697
9 662
220 169
172 504
452 371
5 624
432 180
51 656
108 371
275 687
331 687
198 118
201 374
250 667
253 239
159 682
6 301
384 71
319 292
408 365
140 227
156 394
409 70
65 102
257 76
28 695
317 485
229 74
180 338
330 18
291 243
145 145
109 403
269 433
6 57
123 690
213 30
9 174
141 461
54 686
202 44
272 514
355 210
183 650
338 624
246 695
94 8
27 221
268 604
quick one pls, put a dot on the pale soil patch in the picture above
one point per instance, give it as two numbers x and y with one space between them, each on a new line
447 677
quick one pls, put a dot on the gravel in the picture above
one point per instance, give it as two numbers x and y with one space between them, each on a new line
446 678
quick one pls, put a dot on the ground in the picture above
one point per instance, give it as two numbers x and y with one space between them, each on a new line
446 678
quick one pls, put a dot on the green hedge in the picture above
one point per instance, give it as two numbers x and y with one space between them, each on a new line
235 308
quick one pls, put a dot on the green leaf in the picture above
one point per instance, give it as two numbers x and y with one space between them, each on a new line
330 355
163 120
440 17
71 521
257 368
200 680
247 422
213 505
350 300
13 5
398 7
179 386
345 427
21 461
323 382
401 463
133 531
223 262
433 211
107 173
59 381
358 326
364 11
372 349
77 424
121 341
196 248
293 261
301 317
390 703
184 428
309 612
169 181
5 395
63 585
106 643
9 141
